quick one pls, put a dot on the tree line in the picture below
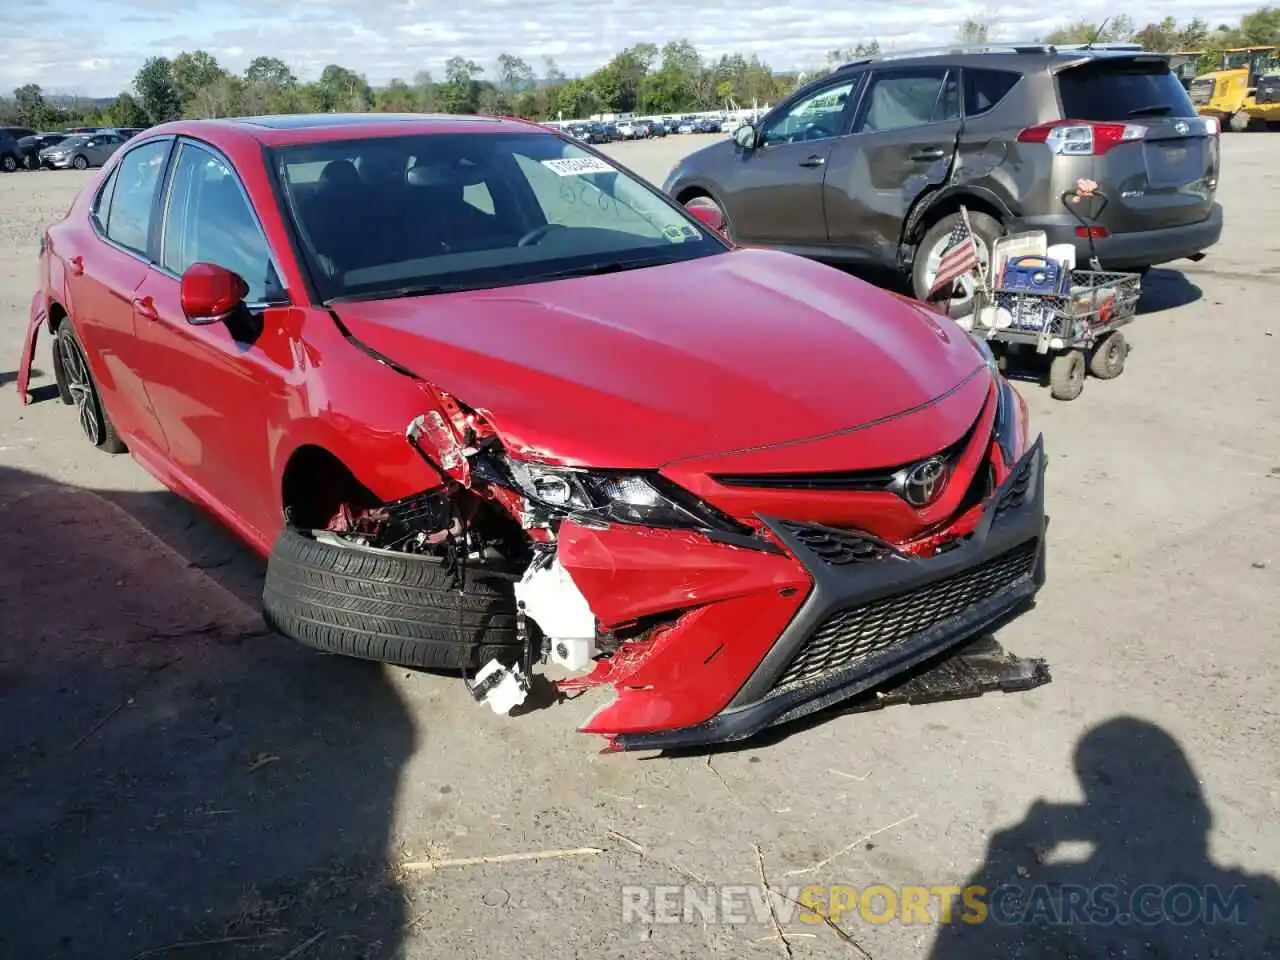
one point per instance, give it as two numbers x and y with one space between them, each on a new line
644 78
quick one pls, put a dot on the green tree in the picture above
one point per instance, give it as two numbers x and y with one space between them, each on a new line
514 75
395 97
1261 27
340 90
125 111
194 73
157 90
461 91
29 108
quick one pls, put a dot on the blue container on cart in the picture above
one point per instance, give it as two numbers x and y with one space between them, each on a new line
1035 275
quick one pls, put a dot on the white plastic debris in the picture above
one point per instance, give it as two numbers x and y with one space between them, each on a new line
500 686
553 601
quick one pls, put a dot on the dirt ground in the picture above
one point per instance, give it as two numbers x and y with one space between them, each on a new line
176 782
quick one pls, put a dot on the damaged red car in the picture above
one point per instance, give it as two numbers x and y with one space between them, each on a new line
486 400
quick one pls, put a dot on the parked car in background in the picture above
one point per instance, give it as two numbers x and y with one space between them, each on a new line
870 164
29 147
82 151
428 367
10 153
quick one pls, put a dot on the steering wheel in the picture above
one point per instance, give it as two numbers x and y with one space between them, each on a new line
536 234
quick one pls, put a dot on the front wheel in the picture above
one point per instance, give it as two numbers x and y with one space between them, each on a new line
9 163
937 239
1239 121
1066 375
80 163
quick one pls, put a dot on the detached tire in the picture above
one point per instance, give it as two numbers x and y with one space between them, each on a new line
391 607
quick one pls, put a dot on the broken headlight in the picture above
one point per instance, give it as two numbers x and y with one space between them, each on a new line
646 499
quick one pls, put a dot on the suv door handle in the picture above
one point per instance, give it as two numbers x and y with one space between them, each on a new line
146 307
813 161
929 153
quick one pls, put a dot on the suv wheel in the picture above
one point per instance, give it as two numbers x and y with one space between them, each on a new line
929 255
9 163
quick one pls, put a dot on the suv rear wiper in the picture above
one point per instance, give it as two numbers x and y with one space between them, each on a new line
1151 109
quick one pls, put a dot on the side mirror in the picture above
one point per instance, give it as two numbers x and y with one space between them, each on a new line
709 217
745 136
210 293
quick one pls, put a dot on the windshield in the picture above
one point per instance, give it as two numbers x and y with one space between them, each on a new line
442 212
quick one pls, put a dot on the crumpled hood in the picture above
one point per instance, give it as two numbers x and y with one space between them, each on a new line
641 368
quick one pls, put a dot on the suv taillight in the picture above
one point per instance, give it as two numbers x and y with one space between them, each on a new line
1078 138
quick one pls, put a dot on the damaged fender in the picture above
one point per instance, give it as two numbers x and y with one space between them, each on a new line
37 317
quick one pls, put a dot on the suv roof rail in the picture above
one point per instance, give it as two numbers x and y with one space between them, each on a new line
960 49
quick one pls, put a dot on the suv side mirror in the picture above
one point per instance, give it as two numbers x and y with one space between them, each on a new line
210 293
745 136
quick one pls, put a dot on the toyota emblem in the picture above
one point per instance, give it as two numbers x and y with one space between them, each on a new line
924 481
1180 127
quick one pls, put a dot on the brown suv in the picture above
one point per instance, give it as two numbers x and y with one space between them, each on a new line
870 164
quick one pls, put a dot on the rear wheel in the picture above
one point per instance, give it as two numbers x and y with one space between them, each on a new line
986 230
9 163
72 370
1066 375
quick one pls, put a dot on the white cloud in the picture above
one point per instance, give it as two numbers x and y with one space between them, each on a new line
95 49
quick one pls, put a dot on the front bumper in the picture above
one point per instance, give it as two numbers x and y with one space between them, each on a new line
873 615
1126 251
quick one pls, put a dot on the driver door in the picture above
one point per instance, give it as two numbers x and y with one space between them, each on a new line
776 194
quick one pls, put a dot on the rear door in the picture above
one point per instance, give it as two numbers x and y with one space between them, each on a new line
773 194
903 142
1163 170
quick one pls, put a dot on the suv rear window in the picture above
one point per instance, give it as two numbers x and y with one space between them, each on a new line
1108 90
983 89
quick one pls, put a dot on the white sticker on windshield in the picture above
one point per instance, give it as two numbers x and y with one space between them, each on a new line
577 166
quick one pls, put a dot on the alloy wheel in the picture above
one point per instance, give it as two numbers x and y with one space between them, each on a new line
966 285
81 389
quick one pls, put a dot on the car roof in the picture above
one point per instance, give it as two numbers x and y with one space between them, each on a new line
301 128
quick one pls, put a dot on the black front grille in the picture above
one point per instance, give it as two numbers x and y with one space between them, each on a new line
838 547
860 634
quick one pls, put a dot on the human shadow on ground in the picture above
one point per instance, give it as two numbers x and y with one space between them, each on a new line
1146 887
170 773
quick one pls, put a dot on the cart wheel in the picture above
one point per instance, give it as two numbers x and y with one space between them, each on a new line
1106 361
1066 375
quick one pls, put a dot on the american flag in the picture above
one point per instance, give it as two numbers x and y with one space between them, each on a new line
959 258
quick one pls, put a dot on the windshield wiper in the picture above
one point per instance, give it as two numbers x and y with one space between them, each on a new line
596 269
418 290
1151 109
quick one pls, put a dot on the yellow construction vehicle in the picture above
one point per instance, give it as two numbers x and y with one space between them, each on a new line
1227 92
1265 107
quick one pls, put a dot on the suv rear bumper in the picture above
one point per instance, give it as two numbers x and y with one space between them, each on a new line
1125 251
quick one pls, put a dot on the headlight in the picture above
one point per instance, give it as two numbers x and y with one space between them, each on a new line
646 499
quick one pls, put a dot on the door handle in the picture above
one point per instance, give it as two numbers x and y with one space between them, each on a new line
929 153
813 161
76 266
146 307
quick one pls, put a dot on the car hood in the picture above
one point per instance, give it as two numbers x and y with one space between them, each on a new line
735 351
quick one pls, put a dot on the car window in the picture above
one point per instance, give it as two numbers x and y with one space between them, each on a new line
470 211
209 220
983 89
815 117
134 193
908 98
1120 90
102 202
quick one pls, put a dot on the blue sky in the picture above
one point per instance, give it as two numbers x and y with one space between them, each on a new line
94 47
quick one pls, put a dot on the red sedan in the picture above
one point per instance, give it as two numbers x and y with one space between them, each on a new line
486 399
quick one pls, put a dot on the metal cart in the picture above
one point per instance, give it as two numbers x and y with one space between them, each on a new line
1075 322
